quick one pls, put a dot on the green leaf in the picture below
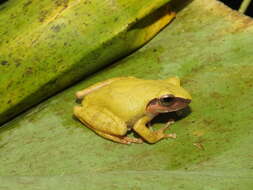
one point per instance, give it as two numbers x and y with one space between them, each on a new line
48 45
210 48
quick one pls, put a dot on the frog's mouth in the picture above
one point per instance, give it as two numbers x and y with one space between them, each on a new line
166 104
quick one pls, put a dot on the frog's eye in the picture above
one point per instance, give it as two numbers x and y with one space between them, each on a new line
167 101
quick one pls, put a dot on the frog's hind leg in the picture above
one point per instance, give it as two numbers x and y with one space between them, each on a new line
104 123
80 94
122 140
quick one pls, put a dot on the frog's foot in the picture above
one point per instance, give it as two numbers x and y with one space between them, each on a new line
133 140
162 132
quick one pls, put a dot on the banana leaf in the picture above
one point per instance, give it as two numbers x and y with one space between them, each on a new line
46 46
210 47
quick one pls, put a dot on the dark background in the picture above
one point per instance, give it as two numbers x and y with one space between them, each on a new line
235 4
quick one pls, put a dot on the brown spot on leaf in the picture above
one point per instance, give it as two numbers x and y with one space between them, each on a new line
9 85
27 3
56 28
61 3
29 70
4 62
17 62
198 133
59 61
43 15
208 121
216 95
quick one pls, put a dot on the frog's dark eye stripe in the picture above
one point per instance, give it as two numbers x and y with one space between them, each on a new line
153 101
166 101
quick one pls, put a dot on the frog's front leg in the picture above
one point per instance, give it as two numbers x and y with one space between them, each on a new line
150 136
80 94
104 123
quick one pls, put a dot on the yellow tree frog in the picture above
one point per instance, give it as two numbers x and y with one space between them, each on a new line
114 106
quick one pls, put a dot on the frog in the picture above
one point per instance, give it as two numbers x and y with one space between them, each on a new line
117 106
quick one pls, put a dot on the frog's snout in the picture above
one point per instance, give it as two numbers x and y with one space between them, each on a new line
180 103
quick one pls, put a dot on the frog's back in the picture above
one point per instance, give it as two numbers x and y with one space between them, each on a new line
127 89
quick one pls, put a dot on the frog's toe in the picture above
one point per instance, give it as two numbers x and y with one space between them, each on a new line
125 142
133 140
139 141
172 135
170 122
